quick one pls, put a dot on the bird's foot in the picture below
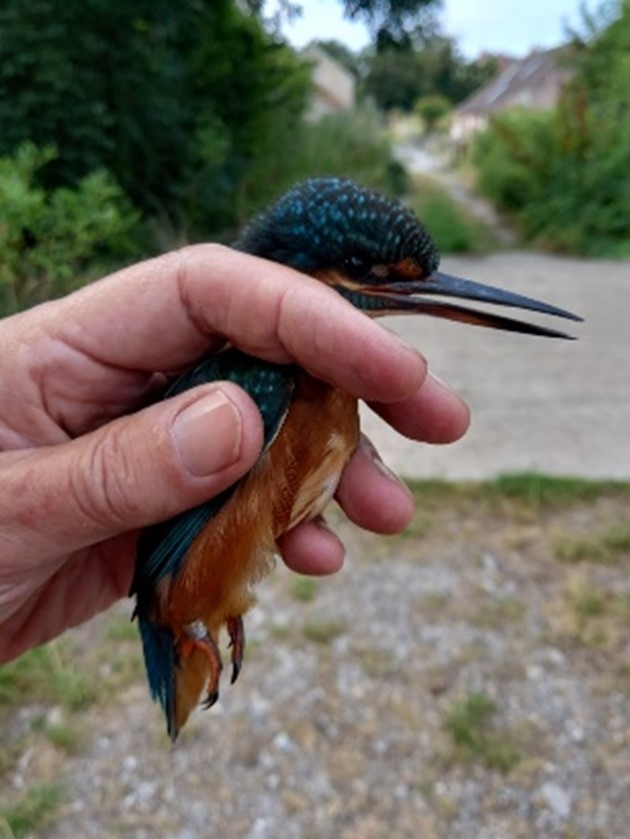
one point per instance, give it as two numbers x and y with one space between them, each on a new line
236 632
199 639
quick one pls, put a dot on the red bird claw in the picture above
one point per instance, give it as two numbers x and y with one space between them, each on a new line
236 632
198 638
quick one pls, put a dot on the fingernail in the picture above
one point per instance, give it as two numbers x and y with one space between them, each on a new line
208 434
369 448
443 384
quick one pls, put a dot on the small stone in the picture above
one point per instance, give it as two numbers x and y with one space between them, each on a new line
557 798
283 742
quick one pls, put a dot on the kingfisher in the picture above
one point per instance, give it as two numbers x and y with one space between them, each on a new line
195 574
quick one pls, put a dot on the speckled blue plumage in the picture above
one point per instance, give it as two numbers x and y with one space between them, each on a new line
162 548
322 222
319 224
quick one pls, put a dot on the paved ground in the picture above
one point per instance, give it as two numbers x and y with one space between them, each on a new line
551 406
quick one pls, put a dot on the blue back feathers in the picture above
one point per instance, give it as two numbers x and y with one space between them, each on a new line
323 222
319 224
162 548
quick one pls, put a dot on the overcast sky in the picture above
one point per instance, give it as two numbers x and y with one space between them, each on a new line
507 26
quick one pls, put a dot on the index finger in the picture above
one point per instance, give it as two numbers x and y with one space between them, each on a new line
164 313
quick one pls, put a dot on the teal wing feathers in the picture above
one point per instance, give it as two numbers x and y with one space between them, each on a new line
162 548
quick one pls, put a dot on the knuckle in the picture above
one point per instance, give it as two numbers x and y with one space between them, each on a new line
104 482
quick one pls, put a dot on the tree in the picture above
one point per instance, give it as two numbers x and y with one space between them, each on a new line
432 109
565 174
399 76
390 21
138 88
393 22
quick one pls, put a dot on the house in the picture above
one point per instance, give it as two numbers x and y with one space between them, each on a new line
333 85
534 83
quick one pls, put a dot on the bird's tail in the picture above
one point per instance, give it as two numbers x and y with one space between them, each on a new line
158 645
178 671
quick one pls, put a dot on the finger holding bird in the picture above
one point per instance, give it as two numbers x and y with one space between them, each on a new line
195 574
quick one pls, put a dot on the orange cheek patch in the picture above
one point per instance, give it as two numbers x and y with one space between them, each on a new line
408 269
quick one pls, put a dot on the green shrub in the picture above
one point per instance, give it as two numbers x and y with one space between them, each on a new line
351 144
569 199
35 810
451 226
50 239
565 174
431 109
475 738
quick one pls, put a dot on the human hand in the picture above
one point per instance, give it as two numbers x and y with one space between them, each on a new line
85 465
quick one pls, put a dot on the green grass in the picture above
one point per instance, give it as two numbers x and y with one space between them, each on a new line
454 229
304 589
497 612
122 628
46 674
65 736
621 608
323 632
605 548
33 812
546 491
588 603
476 739
528 488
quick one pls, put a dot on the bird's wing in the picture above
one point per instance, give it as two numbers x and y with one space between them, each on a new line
163 546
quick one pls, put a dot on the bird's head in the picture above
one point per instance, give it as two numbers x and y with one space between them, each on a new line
376 253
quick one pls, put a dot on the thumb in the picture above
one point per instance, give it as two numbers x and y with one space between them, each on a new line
129 473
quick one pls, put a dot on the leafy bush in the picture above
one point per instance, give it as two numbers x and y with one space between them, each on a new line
565 175
566 198
50 239
432 109
351 144
451 226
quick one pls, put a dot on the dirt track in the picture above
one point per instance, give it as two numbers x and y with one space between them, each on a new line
550 406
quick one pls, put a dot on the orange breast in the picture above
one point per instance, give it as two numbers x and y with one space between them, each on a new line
292 482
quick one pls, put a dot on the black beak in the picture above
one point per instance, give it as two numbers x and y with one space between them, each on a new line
403 297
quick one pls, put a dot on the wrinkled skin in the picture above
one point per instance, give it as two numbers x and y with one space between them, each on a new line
81 474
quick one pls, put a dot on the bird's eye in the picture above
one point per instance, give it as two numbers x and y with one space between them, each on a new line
356 267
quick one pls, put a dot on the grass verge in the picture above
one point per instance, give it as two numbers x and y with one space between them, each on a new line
452 227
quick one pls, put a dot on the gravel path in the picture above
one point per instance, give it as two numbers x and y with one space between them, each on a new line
336 728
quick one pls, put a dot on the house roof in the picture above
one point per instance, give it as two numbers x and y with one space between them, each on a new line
532 82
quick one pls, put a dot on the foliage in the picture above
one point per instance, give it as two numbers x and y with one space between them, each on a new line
603 548
526 490
453 229
171 98
48 237
390 21
393 22
470 725
565 174
397 77
35 810
45 674
347 144
304 588
431 109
